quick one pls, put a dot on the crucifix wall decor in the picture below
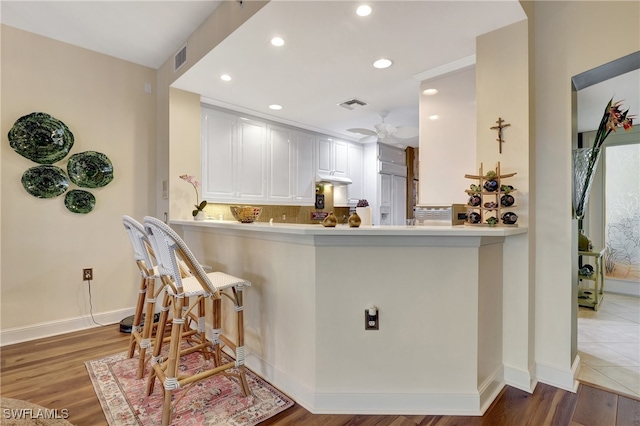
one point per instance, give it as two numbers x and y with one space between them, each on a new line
499 128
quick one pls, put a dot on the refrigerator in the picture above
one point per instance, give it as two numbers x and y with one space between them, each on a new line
385 185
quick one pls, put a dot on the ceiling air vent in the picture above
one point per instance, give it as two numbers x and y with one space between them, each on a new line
352 103
180 58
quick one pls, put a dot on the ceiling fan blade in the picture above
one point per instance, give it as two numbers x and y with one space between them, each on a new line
369 139
365 132
405 132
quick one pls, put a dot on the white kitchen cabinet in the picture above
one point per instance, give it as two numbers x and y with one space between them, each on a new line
291 166
247 160
280 164
304 188
355 191
234 157
252 160
332 157
218 143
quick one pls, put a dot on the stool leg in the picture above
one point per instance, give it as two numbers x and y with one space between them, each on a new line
157 346
137 318
171 380
145 342
240 341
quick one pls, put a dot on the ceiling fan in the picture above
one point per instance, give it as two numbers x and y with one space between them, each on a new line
385 132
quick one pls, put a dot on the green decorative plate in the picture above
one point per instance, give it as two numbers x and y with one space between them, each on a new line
41 138
45 181
79 201
90 169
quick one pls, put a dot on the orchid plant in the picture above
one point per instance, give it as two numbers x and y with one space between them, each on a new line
612 119
199 206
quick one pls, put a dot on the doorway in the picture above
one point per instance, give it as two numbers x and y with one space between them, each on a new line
608 340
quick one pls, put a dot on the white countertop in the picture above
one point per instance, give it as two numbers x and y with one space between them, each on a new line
345 230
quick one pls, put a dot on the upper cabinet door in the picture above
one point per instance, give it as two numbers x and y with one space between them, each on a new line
304 173
325 155
252 160
341 158
280 164
392 154
218 141
355 191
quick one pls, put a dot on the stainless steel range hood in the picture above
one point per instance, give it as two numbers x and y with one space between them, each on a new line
335 180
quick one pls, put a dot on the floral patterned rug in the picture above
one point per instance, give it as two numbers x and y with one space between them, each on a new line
214 401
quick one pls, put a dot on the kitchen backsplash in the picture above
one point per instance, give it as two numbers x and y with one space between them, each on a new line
282 214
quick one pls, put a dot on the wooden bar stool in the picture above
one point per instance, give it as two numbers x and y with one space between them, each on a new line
143 256
188 294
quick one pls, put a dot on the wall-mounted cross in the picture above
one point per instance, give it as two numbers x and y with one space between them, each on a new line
499 128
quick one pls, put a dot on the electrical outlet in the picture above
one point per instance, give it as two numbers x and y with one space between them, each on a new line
87 274
372 319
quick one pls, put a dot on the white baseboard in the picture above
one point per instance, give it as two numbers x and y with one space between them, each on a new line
628 288
379 403
54 328
520 378
562 379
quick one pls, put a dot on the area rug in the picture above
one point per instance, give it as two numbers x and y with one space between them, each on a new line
16 412
217 400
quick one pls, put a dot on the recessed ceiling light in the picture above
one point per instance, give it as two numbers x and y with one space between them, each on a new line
382 63
225 77
364 10
433 117
430 92
275 107
277 41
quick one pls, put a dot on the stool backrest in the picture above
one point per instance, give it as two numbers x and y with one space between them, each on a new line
171 251
140 243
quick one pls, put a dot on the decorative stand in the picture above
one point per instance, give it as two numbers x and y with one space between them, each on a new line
489 199
591 287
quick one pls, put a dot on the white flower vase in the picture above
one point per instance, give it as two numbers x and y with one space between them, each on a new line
365 215
199 216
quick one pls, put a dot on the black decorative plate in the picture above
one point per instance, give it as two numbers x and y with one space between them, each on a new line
41 138
79 201
45 181
90 169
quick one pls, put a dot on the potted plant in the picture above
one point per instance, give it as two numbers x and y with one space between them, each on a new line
364 211
198 212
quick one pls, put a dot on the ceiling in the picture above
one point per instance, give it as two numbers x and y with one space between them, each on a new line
326 59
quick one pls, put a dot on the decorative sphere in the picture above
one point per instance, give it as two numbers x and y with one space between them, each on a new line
507 200
491 185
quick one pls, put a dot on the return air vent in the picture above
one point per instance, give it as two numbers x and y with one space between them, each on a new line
180 58
353 103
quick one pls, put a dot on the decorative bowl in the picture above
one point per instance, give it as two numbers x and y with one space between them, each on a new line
246 214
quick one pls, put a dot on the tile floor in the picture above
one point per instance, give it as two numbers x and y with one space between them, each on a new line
609 344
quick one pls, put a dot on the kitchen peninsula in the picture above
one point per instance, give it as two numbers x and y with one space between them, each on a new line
438 290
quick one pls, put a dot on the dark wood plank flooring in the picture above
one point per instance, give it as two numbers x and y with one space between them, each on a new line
51 372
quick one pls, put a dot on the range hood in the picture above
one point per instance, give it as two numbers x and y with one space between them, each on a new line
335 180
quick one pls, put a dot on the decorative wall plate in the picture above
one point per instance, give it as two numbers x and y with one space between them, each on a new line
41 138
79 201
45 181
90 169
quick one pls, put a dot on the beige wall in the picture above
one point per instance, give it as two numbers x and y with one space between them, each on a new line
503 91
45 246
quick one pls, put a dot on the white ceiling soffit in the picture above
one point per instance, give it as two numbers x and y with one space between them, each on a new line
143 32
592 100
328 54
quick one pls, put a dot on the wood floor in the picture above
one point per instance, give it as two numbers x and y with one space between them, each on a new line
51 372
